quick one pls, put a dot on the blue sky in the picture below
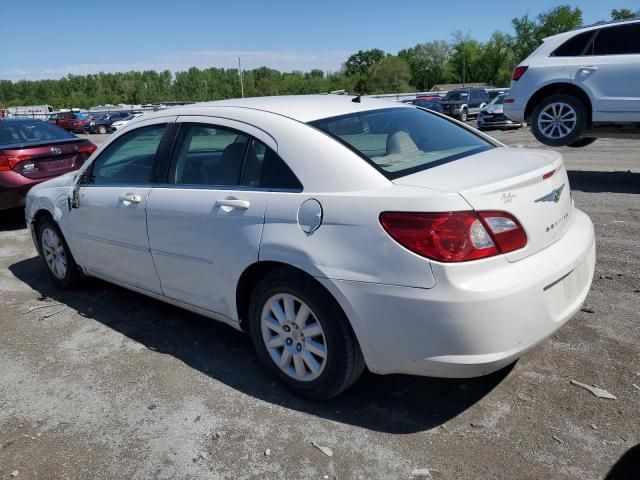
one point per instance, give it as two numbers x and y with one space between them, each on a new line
51 38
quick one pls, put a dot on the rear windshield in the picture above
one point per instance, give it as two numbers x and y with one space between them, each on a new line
36 131
401 141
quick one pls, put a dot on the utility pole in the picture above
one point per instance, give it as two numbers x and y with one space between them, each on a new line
464 69
241 80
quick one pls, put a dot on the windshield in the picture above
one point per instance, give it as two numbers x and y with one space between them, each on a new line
401 141
456 95
102 116
35 131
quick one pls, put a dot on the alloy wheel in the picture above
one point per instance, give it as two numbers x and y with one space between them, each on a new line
294 337
54 253
557 120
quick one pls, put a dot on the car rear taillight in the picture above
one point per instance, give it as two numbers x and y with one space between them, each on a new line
455 236
8 162
518 72
88 148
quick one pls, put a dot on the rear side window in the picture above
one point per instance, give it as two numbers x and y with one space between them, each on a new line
401 141
620 40
575 46
217 156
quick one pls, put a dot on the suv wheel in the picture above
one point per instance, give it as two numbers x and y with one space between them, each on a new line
56 254
559 120
302 335
102 129
463 115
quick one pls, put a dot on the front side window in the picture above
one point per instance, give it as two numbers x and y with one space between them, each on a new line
217 156
620 40
401 141
130 159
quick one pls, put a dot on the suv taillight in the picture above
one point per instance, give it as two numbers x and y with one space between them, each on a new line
455 236
518 72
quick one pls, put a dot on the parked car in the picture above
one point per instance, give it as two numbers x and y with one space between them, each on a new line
64 120
125 121
463 103
32 151
578 83
492 116
340 231
102 123
494 92
431 102
79 125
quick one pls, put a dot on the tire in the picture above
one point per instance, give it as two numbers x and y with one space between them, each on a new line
56 255
557 107
328 331
463 115
102 129
582 142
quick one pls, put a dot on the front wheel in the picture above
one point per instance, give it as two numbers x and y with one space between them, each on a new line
301 334
56 254
559 120
102 129
463 115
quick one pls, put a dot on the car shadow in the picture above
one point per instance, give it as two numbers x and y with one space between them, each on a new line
598 182
12 219
627 467
392 403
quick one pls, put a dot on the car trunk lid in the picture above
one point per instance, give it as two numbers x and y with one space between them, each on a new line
44 161
531 185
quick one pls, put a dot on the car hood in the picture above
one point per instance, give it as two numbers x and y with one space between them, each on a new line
65 180
530 184
493 109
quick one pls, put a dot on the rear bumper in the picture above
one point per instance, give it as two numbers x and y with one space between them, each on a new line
14 188
480 316
515 110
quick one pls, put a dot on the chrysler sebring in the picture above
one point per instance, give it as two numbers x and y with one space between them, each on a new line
341 232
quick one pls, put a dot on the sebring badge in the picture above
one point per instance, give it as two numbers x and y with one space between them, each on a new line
56 150
553 196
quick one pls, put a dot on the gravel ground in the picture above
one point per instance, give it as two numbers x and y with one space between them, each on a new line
103 383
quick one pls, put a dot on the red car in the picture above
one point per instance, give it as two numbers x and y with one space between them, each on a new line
32 151
63 119
79 125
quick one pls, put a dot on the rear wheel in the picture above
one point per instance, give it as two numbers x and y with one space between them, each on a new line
56 254
559 120
302 335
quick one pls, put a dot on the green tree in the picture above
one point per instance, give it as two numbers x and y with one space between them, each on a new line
624 14
428 63
530 33
391 74
360 62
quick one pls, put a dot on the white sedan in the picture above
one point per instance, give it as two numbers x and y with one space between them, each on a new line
115 126
341 232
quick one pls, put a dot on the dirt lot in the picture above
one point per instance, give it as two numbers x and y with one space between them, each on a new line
105 383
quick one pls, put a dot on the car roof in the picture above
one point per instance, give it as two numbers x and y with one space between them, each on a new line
587 28
303 108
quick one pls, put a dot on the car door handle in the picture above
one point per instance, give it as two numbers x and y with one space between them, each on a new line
130 197
589 68
233 203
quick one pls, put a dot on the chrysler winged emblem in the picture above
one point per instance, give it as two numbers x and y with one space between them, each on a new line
56 150
553 196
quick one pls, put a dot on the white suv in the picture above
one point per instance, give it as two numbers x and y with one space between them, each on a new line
579 84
